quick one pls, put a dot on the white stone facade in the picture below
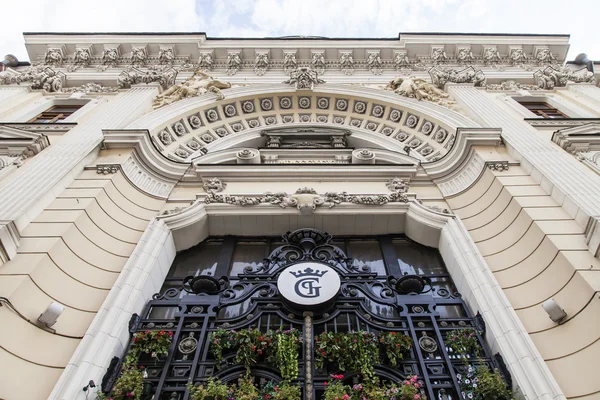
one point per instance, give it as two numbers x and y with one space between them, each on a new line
182 136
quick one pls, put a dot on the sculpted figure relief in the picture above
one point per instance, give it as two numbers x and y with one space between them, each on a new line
205 62
110 57
53 57
198 84
166 57
261 63
491 56
347 63
545 56
82 57
518 57
289 62
234 63
318 62
401 60
138 56
374 63
551 77
415 88
465 56
439 56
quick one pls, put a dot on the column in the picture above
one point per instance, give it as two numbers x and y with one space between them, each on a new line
568 181
55 168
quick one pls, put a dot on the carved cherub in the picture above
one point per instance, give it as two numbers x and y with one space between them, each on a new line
196 85
439 56
261 63
415 88
234 63
110 57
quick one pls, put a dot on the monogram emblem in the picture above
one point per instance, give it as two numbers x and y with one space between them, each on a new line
308 281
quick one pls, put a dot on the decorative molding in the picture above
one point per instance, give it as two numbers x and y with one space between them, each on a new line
81 59
197 84
498 166
438 55
234 62
317 61
544 56
464 55
440 77
561 122
491 57
582 138
132 76
551 77
110 58
89 88
166 56
261 62
306 200
106 169
415 88
374 63
40 76
213 184
289 61
304 79
205 61
54 56
511 85
347 62
139 56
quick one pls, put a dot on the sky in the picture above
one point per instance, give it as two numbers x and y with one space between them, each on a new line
330 18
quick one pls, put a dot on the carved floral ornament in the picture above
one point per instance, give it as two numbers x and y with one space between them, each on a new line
306 200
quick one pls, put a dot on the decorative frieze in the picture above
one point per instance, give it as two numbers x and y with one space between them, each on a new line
205 61
81 59
110 58
289 61
139 56
347 62
133 76
234 62
374 63
261 63
54 57
166 56
306 200
317 62
491 57
464 55
440 76
438 55
551 77
304 79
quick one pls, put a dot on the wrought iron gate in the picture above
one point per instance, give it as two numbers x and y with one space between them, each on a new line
424 306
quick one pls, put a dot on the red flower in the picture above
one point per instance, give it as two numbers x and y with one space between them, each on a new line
326 383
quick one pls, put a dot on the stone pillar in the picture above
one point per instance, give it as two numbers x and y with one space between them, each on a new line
505 332
569 182
55 168
107 336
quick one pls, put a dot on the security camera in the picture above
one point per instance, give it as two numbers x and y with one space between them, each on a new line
555 312
49 317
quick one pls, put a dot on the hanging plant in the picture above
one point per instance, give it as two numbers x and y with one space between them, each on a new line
129 386
410 389
155 343
281 391
352 351
483 384
221 340
463 342
395 346
214 390
287 353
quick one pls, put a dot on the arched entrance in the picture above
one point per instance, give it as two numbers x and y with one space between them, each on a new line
389 285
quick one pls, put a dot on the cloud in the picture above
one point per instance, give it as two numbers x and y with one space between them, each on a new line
331 18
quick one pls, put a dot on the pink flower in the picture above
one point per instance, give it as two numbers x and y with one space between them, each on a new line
417 397
346 397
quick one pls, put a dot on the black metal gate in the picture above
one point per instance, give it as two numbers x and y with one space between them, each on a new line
407 299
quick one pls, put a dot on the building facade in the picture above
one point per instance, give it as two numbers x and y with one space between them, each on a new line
167 182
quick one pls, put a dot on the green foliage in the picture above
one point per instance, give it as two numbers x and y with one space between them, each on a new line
395 346
410 389
281 347
463 342
246 389
490 385
129 386
359 351
155 343
212 391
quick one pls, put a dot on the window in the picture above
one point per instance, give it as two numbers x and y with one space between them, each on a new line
543 109
56 113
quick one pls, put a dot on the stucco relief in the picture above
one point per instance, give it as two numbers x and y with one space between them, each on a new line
196 85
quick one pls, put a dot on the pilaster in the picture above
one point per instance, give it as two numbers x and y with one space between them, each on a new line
50 172
569 182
